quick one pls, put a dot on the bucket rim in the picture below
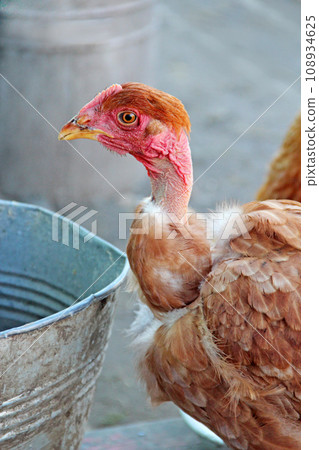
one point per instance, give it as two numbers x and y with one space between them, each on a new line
78 306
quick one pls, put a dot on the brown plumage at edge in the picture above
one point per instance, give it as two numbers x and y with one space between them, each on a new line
284 177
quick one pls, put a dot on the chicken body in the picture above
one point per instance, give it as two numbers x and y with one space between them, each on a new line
230 355
284 177
219 334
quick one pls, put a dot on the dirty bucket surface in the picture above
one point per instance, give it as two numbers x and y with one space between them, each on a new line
56 310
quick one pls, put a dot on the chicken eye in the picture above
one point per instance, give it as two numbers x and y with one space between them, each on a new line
127 117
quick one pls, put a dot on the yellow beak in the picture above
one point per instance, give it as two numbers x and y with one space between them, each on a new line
72 130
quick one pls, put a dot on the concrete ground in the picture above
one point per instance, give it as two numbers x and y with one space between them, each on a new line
231 63
159 434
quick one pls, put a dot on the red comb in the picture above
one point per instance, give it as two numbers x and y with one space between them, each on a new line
102 96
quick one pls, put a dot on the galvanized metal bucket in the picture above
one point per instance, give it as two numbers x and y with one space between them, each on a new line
56 309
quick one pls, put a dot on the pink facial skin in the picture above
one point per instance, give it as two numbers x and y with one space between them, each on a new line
137 141
165 155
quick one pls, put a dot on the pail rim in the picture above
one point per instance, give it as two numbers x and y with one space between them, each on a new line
78 306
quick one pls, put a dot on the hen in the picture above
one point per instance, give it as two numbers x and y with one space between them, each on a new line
219 332
284 177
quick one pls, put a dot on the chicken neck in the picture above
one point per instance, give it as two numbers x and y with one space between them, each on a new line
172 179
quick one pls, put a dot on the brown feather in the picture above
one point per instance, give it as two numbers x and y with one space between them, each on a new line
284 177
232 360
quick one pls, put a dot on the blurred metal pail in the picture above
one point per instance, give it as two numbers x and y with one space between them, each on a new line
58 55
56 309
